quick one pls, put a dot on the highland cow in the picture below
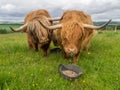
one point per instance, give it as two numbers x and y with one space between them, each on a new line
37 35
74 31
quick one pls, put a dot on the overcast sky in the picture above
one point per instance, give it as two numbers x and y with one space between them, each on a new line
16 10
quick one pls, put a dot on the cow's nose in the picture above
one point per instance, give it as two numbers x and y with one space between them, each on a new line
71 49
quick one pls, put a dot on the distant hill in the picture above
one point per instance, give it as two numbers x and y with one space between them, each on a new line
95 23
11 23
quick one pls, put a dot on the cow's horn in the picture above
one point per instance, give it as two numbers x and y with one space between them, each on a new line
97 27
19 29
54 19
50 27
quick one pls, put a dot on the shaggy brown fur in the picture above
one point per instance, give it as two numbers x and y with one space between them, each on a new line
81 17
38 13
37 35
72 37
72 34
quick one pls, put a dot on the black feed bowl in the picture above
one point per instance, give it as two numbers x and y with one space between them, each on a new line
70 67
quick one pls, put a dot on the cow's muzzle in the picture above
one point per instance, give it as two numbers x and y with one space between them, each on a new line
71 51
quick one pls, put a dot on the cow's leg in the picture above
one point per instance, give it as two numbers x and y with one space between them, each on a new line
86 45
30 44
45 52
65 55
45 49
87 42
29 41
75 58
36 47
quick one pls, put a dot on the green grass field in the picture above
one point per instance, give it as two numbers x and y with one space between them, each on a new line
24 69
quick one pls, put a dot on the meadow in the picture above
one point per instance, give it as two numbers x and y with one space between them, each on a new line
24 69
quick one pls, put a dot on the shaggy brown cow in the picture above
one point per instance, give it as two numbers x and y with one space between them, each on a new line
74 28
81 17
36 34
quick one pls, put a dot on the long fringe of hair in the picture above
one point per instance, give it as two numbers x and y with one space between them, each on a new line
37 32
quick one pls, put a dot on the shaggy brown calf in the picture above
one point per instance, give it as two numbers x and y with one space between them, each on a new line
71 34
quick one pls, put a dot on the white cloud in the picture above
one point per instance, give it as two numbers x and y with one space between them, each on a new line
98 9
7 7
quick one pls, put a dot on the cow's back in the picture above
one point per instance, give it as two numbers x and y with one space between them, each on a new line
34 14
76 15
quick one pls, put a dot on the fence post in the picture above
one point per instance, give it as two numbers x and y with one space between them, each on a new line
115 28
